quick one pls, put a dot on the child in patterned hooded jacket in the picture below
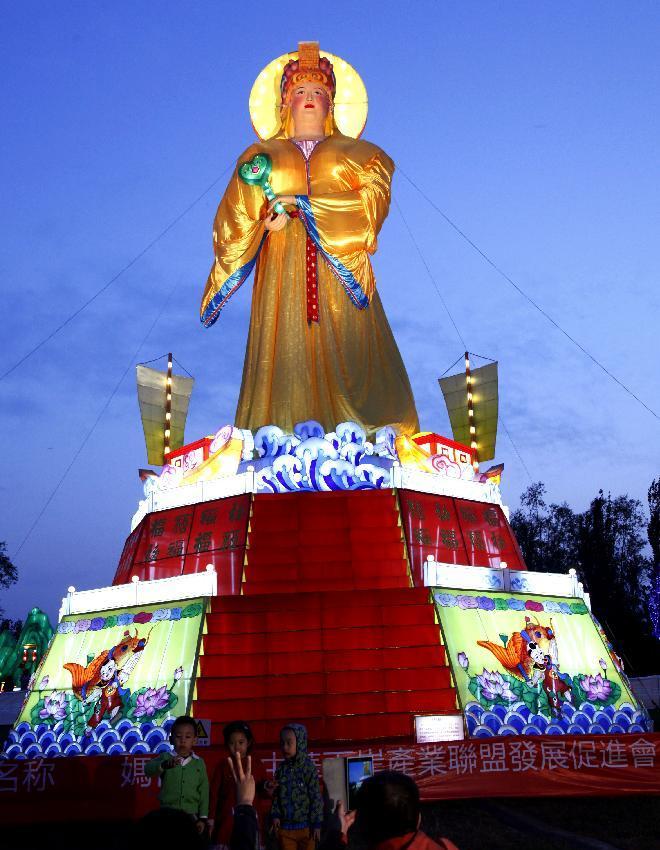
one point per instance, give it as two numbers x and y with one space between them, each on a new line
297 810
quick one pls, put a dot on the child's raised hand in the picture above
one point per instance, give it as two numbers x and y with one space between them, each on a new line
316 834
245 785
276 824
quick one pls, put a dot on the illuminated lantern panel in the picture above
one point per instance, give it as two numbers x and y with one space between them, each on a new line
456 531
185 540
528 665
111 682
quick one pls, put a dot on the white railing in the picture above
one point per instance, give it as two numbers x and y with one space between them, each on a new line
140 593
193 494
440 485
439 574
245 482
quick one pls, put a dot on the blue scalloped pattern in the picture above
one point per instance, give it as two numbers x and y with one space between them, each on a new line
517 719
28 742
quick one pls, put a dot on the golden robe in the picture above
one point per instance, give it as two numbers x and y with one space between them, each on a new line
347 365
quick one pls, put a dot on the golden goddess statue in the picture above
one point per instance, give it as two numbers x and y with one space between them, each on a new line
320 346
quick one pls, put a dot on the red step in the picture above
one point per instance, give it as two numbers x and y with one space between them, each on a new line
316 661
383 598
326 569
328 640
326 584
364 551
344 682
345 538
360 727
271 621
322 705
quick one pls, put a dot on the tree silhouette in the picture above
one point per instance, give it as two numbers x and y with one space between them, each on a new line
654 541
8 572
606 545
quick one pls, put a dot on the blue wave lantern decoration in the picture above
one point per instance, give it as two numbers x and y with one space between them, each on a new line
312 460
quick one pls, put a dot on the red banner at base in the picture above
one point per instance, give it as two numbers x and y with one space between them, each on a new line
89 787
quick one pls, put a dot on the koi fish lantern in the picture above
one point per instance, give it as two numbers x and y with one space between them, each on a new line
517 654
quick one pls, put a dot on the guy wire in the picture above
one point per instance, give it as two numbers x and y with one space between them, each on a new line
465 347
181 366
96 421
429 273
116 277
525 295
515 448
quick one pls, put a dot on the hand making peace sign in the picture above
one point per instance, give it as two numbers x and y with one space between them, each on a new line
245 786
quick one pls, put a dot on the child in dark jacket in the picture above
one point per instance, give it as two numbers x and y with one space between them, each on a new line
297 806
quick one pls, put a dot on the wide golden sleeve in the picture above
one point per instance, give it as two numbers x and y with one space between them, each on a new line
238 233
348 222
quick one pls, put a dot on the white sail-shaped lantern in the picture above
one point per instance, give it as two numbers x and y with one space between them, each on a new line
472 403
163 434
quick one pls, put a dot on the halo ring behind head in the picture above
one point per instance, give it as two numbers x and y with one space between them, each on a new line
350 105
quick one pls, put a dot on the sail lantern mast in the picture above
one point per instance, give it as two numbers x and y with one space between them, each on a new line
168 408
470 407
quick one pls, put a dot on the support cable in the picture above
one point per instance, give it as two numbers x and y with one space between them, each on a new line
472 354
96 421
515 448
449 368
526 296
181 366
116 277
429 273
153 360
444 304
160 357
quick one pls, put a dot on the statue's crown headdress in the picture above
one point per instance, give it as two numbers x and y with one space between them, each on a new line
308 67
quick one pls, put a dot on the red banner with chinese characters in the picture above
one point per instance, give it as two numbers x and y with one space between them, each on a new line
431 527
185 540
487 535
127 557
591 765
456 531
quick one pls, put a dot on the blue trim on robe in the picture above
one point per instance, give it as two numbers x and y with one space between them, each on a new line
343 275
228 288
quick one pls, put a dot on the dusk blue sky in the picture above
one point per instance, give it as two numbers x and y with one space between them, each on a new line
533 126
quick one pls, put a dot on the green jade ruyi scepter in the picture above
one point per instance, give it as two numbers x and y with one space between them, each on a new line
256 173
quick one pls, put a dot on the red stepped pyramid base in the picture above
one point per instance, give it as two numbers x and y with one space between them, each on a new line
328 631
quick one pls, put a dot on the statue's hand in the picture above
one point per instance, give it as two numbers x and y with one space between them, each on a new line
287 200
277 222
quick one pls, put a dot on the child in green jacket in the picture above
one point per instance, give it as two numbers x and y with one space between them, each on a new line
184 783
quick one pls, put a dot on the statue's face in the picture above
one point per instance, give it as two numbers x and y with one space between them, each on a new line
309 106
